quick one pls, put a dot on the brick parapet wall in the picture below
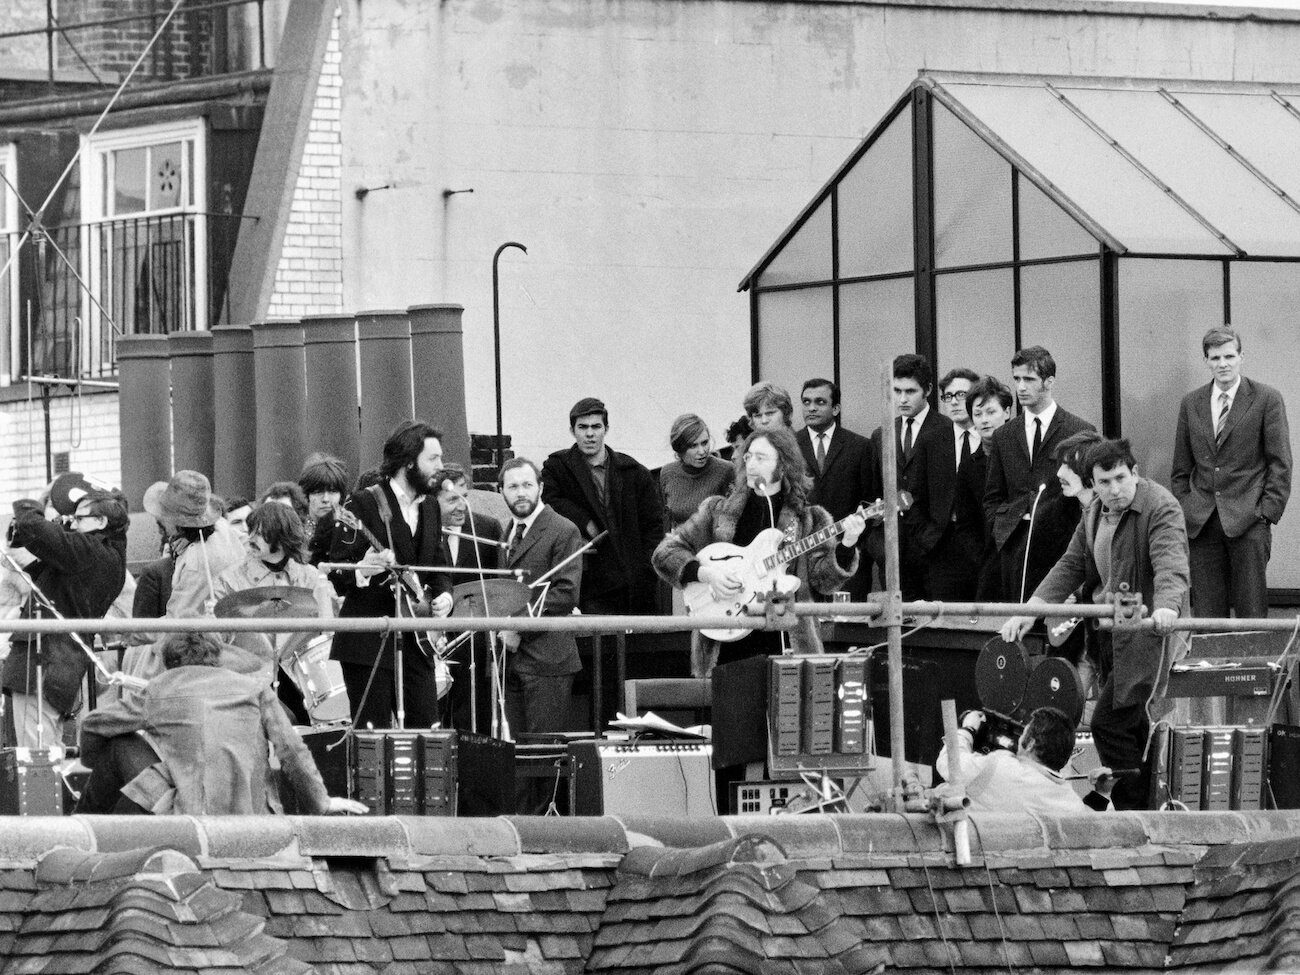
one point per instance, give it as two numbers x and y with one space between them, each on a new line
309 273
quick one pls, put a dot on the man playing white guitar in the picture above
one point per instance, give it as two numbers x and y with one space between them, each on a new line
727 556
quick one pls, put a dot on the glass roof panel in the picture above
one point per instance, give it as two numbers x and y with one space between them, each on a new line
1045 229
1085 169
875 205
972 196
1263 131
806 256
1193 166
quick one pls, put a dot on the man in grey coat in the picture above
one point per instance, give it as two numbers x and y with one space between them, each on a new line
1132 533
1232 475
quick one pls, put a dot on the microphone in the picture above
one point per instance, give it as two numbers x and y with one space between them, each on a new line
1029 538
475 538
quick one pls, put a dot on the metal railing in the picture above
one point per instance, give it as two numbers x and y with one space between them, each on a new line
204 39
82 285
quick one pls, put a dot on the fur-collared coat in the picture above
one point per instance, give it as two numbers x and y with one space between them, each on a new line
716 521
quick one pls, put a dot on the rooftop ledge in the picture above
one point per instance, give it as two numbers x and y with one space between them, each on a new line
405 841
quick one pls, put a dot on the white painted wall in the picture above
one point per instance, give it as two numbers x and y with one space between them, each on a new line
647 152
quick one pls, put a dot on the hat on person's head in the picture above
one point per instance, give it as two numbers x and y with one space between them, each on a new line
186 501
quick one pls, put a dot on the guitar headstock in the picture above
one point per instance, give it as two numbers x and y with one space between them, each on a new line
877 508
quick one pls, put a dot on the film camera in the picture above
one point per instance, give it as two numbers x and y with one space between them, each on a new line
1011 685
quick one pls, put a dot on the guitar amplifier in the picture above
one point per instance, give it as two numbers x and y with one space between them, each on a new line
663 778
818 705
1211 768
30 784
819 715
433 773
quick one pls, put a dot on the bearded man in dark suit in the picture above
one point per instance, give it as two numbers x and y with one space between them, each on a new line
1022 493
1232 475
402 514
839 462
542 666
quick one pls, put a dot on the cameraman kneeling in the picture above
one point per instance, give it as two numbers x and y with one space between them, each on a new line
1028 779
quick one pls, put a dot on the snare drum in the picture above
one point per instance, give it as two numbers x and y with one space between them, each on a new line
320 680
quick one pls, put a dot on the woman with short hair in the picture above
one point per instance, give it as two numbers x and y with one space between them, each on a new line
696 474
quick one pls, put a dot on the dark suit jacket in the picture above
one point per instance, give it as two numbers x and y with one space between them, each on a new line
934 420
488 556
968 507
935 490
850 476
551 540
376 599
1012 482
935 423
1249 476
618 569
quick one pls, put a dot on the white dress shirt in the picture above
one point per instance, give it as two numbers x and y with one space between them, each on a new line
1046 416
1217 407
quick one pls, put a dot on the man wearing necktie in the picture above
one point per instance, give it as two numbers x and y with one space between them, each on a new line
1232 475
949 551
1021 493
476 550
913 380
541 666
840 464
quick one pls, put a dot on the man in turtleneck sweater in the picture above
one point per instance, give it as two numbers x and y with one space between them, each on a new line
775 495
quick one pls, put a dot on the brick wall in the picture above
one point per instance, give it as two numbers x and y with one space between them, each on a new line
183 50
86 428
309 277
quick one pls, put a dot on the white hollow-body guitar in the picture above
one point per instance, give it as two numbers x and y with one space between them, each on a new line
760 565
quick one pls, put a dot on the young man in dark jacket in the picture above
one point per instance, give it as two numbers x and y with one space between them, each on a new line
80 569
599 489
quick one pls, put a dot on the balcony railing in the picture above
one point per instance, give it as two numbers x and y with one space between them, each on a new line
82 285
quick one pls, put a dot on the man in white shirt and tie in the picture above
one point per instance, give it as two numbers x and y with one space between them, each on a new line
1022 492
840 463
913 422
1232 475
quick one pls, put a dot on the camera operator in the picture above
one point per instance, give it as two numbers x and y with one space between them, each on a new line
1028 779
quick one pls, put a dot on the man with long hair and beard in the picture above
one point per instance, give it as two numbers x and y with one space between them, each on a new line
771 491
401 512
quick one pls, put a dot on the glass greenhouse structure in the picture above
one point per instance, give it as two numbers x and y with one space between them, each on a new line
1112 220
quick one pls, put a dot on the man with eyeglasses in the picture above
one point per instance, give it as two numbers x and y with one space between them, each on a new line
839 462
80 569
948 549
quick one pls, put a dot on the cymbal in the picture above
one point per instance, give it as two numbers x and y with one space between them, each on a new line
505 597
290 601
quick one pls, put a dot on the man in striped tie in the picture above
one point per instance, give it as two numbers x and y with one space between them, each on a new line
1232 475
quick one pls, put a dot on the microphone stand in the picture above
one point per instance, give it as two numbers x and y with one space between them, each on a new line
1029 538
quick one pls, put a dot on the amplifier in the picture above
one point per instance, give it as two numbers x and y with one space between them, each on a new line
1210 768
662 778
1283 764
766 798
30 784
819 715
433 773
